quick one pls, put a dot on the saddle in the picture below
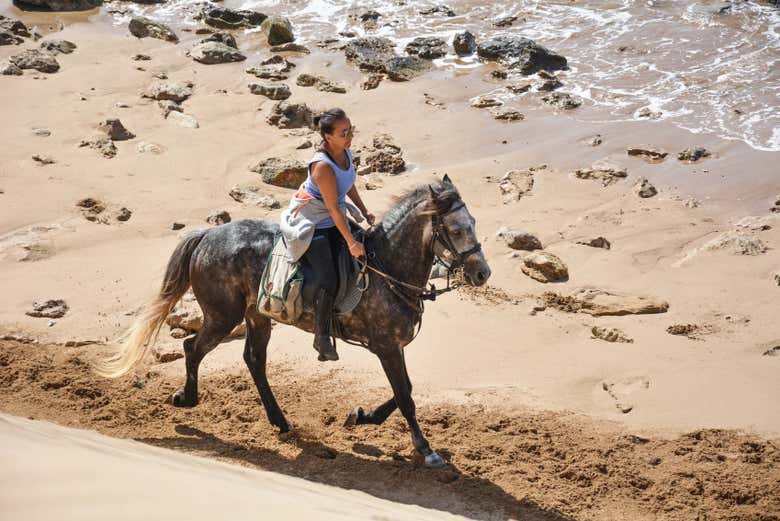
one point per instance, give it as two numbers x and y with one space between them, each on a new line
349 293
284 292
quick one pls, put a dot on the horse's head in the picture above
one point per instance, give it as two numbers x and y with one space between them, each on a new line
455 237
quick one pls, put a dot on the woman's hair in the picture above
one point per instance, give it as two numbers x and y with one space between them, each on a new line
327 120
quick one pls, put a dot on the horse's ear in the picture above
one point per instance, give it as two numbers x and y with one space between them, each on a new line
433 192
447 179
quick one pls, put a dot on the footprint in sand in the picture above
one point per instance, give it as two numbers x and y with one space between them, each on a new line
622 390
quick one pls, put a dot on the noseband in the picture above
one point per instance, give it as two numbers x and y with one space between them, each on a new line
442 236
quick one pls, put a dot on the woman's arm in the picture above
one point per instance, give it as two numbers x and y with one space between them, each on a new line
323 175
355 197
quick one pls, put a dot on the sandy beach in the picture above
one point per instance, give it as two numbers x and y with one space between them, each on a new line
538 416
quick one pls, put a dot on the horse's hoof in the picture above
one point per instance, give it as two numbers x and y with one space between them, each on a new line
354 417
179 400
434 461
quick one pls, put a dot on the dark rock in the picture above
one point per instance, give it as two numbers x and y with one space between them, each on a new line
141 57
14 28
214 52
177 91
438 9
464 44
103 145
285 173
406 68
519 240
428 47
371 82
370 53
8 38
48 309
274 91
58 46
279 30
562 100
693 154
506 114
142 27
274 68
9 69
223 38
605 172
649 154
598 242
224 18
499 74
218 217
520 53
291 47
644 189
519 87
35 59
60 5
124 214
772 351
291 115
43 160
482 102
550 85
306 80
506 21
114 129
322 84
177 226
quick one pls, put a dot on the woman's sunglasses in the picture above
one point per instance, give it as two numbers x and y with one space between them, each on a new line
348 131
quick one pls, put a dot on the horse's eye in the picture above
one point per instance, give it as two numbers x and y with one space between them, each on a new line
456 232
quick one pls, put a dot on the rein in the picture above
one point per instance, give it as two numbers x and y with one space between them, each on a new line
417 295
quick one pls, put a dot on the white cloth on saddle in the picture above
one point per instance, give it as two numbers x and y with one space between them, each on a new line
300 218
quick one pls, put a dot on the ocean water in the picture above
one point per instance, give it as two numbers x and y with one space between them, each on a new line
700 65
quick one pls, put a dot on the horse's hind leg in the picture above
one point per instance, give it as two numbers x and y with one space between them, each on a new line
258 332
376 416
195 349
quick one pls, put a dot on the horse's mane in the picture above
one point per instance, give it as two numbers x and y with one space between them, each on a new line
446 196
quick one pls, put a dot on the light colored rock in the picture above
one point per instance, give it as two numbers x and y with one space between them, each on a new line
739 243
103 145
177 91
188 316
213 52
166 354
58 46
756 222
515 184
271 90
544 267
252 195
278 29
693 154
372 81
43 160
599 302
482 102
147 147
607 173
183 120
610 334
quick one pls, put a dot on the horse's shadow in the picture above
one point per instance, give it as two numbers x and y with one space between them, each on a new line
397 480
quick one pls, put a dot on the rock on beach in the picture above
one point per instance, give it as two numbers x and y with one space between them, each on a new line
142 27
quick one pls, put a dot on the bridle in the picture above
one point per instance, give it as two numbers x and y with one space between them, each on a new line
415 296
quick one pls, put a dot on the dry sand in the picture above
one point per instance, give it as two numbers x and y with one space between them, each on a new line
474 356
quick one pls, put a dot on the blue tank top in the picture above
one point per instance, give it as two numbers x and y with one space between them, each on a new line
344 181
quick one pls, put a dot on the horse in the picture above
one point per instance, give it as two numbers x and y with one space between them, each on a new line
224 266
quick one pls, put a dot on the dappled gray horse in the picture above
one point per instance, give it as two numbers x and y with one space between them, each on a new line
224 266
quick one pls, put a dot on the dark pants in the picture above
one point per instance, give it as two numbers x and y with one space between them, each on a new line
321 258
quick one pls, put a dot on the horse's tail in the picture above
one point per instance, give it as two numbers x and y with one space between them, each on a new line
143 333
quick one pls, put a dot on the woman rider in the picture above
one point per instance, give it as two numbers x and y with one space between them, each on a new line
331 178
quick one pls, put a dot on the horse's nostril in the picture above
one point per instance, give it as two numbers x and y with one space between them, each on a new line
481 276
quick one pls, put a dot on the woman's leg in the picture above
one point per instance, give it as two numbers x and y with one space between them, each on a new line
322 262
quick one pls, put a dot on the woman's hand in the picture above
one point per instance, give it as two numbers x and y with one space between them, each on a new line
357 249
369 217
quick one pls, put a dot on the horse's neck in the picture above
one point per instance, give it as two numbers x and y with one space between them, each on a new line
406 253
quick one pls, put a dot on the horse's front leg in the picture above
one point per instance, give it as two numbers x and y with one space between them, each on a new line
395 368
